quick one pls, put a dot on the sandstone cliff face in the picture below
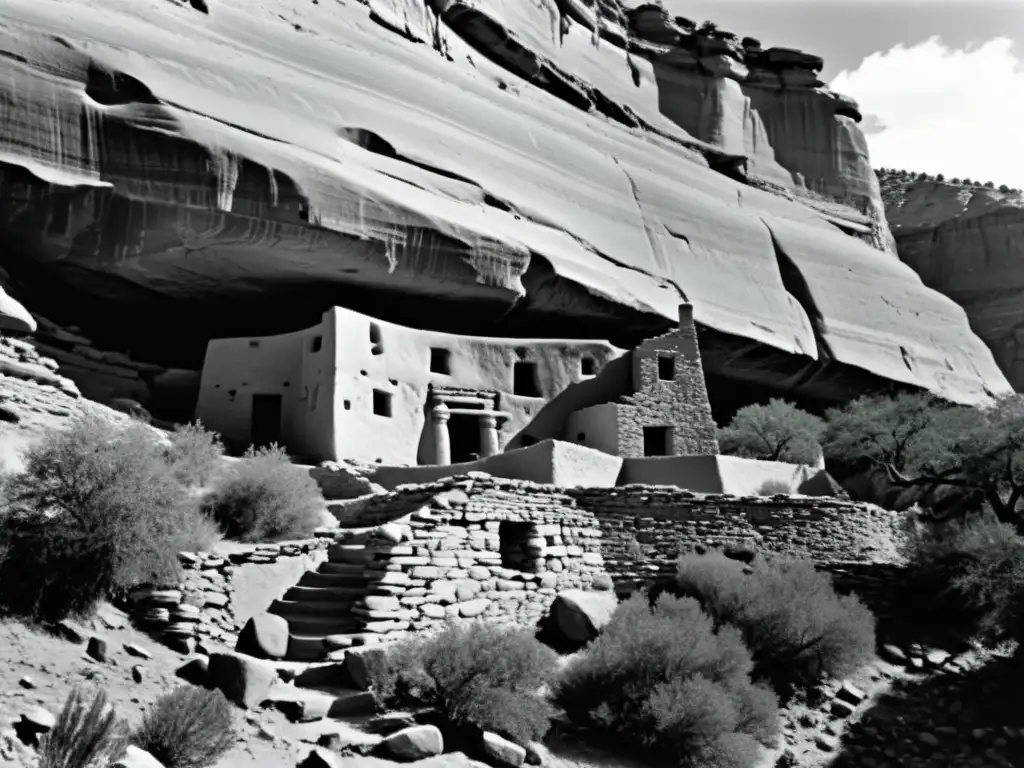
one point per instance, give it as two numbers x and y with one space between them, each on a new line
486 167
967 242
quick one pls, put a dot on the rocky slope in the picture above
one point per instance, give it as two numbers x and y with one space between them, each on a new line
967 242
562 168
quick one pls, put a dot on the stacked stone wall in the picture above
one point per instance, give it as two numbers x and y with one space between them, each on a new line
473 548
681 403
204 607
442 554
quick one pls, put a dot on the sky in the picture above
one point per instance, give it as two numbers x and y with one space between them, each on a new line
940 83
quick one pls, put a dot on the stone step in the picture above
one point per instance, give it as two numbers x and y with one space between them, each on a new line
314 703
305 608
342 569
318 625
332 594
350 553
306 648
336 580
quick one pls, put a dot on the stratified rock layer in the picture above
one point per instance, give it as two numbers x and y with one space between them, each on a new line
173 175
968 243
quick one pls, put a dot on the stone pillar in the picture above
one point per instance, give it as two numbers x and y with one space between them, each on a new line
442 441
488 436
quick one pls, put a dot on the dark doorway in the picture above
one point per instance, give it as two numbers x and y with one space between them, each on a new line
657 441
266 420
524 380
464 437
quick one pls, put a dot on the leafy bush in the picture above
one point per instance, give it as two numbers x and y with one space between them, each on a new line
187 728
798 629
778 431
475 674
96 510
663 680
265 498
87 734
194 454
773 487
969 574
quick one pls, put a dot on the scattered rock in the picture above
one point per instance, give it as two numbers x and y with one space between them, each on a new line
27 682
893 654
851 694
501 750
194 670
246 681
71 631
97 648
841 708
137 673
137 758
357 662
39 719
264 636
138 651
415 743
579 616
322 758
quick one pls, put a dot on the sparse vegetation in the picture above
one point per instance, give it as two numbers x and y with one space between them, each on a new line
773 488
969 574
187 728
662 680
87 734
265 497
476 674
195 454
777 431
97 509
798 629
921 442
895 183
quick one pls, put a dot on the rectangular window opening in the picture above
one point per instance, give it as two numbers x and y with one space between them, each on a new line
657 441
381 403
666 368
588 366
316 344
440 360
524 380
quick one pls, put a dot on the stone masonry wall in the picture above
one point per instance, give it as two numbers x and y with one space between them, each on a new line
681 404
474 547
205 607
439 553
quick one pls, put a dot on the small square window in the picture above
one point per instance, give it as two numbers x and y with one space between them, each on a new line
381 403
316 344
657 441
253 344
588 366
666 368
440 360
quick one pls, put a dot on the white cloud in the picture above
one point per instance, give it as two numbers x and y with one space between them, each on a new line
957 112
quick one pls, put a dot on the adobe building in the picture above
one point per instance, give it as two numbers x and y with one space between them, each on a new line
356 388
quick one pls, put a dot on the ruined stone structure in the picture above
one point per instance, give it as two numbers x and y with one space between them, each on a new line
666 414
477 546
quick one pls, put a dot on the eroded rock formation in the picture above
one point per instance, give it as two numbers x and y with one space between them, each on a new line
168 176
968 243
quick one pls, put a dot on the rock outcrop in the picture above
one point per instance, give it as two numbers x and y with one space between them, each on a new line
967 242
170 176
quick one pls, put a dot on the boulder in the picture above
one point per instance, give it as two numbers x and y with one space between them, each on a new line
194 670
500 751
244 680
578 616
264 636
137 758
357 663
414 743
322 758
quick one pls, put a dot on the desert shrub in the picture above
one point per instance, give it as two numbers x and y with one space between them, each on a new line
265 497
476 675
187 728
194 454
773 487
969 574
661 679
798 629
87 734
96 510
776 431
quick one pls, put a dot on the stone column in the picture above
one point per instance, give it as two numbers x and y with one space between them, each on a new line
488 436
442 441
